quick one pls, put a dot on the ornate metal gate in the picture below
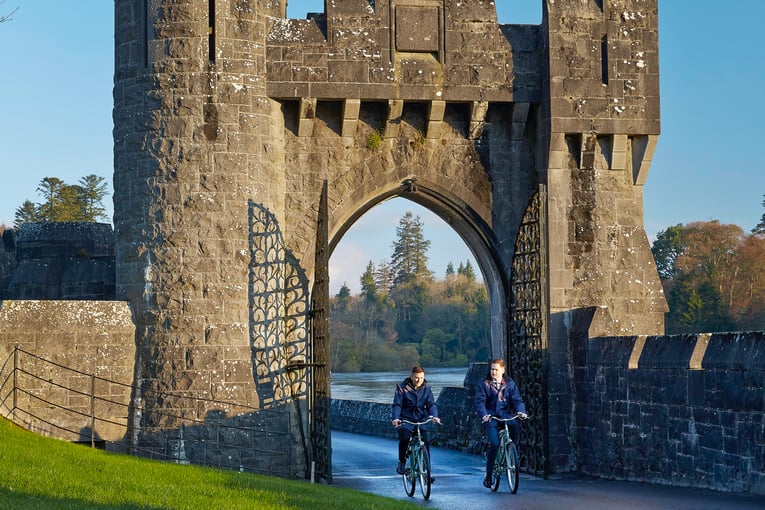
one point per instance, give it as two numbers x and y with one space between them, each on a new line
319 396
528 331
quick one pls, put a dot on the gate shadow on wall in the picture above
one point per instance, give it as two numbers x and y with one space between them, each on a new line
278 293
282 357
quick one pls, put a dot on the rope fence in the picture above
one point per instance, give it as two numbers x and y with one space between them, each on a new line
59 401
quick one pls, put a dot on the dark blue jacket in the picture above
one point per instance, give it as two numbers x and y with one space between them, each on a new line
503 402
413 404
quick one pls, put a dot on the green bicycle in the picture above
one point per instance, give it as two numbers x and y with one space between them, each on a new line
507 456
417 462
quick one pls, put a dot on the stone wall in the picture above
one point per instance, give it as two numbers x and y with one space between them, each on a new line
7 259
199 187
68 352
63 260
680 410
684 410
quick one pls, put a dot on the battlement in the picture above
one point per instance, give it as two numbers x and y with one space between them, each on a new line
428 50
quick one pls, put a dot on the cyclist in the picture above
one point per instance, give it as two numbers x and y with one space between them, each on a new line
412 401
497 396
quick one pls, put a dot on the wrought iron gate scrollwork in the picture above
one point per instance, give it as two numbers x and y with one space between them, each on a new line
528 331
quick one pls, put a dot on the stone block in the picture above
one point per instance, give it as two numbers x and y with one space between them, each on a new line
672 351
417 29
742 351
613 351
348 72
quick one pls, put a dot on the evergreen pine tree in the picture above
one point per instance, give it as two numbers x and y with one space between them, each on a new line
468 272
343 297
383 278
50 188
93 190
410 258
368 284
66 202
70 206
26 213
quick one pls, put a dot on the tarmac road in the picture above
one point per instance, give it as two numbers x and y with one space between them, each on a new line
368 464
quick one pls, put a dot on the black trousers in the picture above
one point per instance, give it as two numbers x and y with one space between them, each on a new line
492 434
404 435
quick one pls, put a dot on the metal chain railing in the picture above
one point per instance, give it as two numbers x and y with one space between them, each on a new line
29 396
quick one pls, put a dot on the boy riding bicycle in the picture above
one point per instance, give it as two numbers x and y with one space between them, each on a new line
413 401
497 396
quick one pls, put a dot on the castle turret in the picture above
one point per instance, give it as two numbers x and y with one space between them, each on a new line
198 201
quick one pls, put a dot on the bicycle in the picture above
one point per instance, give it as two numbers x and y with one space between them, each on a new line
507 457
417 462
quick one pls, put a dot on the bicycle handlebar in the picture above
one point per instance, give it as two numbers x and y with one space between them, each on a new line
430 419
516 416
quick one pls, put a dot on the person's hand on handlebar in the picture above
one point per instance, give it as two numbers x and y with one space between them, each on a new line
485 418
396 422
523 416
437 420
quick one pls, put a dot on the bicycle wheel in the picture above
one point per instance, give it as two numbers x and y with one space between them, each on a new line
409 473
424 472
511 461
496 473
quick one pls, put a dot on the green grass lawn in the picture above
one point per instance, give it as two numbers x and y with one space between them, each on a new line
41 473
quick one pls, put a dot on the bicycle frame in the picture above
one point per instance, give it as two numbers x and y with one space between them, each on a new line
507 456
418 461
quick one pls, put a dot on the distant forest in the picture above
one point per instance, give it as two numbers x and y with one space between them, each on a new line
713 277
404 315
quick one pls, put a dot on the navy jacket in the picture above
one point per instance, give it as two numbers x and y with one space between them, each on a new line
503 402
413 404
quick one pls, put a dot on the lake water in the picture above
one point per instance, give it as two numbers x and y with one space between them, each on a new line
380 386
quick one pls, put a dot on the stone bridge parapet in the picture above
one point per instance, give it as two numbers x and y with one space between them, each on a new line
682 410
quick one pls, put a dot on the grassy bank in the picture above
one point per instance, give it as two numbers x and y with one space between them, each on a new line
43 473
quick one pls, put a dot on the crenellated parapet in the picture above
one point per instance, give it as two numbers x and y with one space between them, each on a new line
409 50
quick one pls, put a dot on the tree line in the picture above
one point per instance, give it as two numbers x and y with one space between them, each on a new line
404 315
713 276
65 202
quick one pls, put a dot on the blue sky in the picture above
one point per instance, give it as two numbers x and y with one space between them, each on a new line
56 106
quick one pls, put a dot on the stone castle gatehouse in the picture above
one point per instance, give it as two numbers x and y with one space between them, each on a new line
246 144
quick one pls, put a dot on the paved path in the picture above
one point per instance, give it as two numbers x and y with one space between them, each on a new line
367 463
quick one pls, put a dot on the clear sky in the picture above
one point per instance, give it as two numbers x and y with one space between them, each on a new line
56 106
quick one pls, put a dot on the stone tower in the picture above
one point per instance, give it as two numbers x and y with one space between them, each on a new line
198 258
243 154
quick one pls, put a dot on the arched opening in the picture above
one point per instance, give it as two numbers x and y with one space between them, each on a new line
371 236
460 261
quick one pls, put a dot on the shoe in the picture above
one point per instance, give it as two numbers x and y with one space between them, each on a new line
400 468
432 479
487 482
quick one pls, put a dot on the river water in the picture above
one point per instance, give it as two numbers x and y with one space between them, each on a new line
380 386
